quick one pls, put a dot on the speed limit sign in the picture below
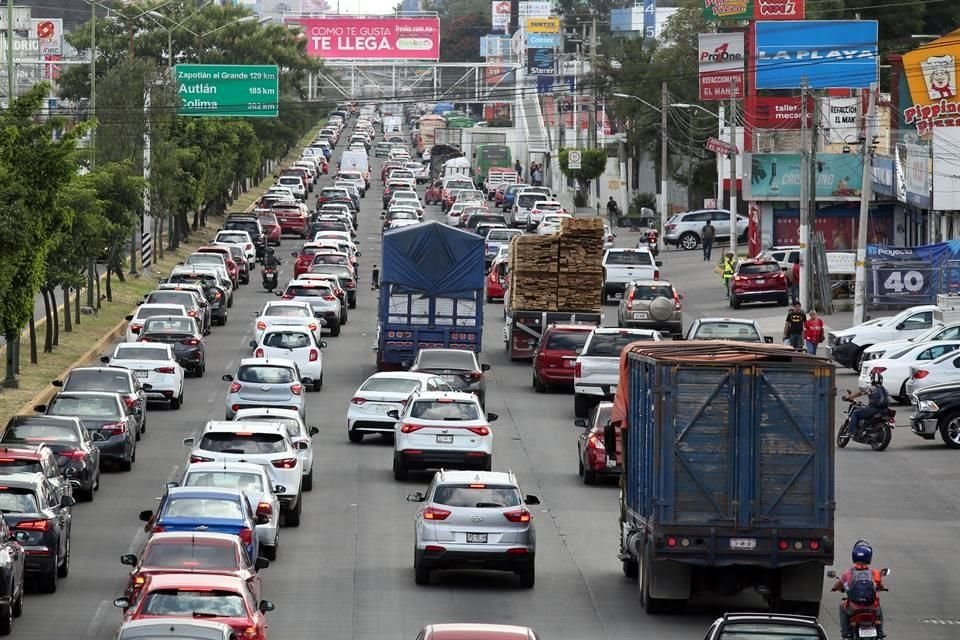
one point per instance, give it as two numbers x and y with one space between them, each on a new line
574 159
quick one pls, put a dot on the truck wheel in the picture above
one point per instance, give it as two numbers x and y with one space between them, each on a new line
651 605
629 568
581 405
950 431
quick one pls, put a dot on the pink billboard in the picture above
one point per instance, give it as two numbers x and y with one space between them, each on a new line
372 38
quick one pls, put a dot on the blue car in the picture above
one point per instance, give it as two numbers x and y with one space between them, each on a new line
209 510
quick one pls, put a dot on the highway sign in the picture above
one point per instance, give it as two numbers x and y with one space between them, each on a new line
228 90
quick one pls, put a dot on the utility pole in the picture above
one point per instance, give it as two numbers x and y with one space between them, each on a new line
806 181
92 265
664 169
595 103
806 270
860 291
11 65
733 169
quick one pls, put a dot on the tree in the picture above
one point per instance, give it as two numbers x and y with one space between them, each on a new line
462 23
593 163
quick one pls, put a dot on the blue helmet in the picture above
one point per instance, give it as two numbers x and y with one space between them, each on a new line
862 552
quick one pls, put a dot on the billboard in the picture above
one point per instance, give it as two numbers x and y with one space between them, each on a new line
946 179
500 14
371 38
931 73
753 9
764 112
534 9
540 62
542 25
721 65
838 118
830 54
916 176
543 40
776 176
49 33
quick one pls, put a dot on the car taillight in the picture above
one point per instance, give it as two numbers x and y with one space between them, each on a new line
656 274
264 509
595 442
518 515
357 400
630 302
480 431
250 633
165 370
217 295
410 428
261 325
190 342
670 227
435 513
76 454
286 296
314 354
34 525
248 245
114 428
195 458
192 313
330 297
474 376
878 370
577 371
284 463
135 328
130 400
676 302
246 535
920 373
296 389
235 387
258 353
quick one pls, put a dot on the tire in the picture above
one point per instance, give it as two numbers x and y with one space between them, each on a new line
126 465
270 550
18 603
307 482
355 436
528 577
335 330
421 575
64 569
84 495
734 302
950 430
651 605
291 517
47 582
629 568
318 385
886 435
489 299
538 385
175 402
688 241
581 405
400 471
589 477
6 618
843 436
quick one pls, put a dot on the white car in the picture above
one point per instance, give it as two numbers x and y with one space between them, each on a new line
384 392
241 239
944 369
356 178
155 367
938 332
847 346
551 223
295 185
542 208
135 322
255 481
299 344
401 222
300 434
264 443
285 313
896 366
441 429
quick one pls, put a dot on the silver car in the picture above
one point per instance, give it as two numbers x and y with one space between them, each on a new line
651 304
683 229
321 298
266 382
474 520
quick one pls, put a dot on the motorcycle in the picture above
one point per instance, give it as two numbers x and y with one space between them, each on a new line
863 622
876 431
652 243
269 278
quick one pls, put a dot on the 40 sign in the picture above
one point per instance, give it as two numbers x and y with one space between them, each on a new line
228 90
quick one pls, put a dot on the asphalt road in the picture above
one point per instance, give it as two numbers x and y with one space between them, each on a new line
347 572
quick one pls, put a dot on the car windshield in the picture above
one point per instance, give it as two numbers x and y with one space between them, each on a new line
115 381
287 340
211 603
234 238
16 500
170 325
85 406
287 310
149 312
268 218
566 340
141 353
225 480
172 297
243 442
443 359
181 554
391 385
403 215
32 433
445 410
766 631
265 374
728 331
644 258
527 200
292 425
337 270
758 269
303 291
329 258
651 291
477 496
500 235
609 345
196 507
205 258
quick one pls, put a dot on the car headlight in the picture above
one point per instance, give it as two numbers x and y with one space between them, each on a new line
928 406
844 339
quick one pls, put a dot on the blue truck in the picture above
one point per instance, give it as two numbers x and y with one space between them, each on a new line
728 481
431 292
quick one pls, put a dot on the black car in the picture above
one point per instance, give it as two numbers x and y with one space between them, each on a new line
199 308
114 380
251 225
477 219
936 409
35 458
12 570
30 506
182 334
73 446
215 294
769 626
344 274
100 413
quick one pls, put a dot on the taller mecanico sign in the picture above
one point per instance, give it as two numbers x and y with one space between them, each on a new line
371 38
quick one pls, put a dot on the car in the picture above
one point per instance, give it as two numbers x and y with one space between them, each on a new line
933 334
295 184
338 288
621 266
132 390
355 178
192 299
943 370
434 193
35 458
398 215
201 293
593 459
768 626
145 311
345 275
541 208
258 485
207 256
896 367
112 425
524 202
294 343
305 257
651 304
551 223
474 219
683 229
219 274
509 195
496 280
384 392
321 298
264 443
169 552
271 226
76 454
292 217
382 149
739 329
758 281
460 369
285 313
936 409
441 429
216 598
174 629
596 371
241 239
216 293
251 224
263 382
42 524
556 355
847 346
154 365
474 520
183 336
300 435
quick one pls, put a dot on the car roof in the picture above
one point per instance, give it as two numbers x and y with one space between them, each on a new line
448 476
752 323
449 395
115 394
185 581
203 492
646 282
23 451
585 328
41 419
775 618
611 331
190 536
271 362
234 426
111 370
269 411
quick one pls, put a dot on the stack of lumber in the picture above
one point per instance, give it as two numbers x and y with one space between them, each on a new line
533 272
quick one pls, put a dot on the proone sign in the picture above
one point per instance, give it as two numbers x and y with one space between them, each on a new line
228 90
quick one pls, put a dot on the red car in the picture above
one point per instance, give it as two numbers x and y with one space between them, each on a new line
758 281
292 217
434 193
476 631
388 166
556 354
233 269
498 194
271 226
192 552
497 280
594 459
219 598
304 258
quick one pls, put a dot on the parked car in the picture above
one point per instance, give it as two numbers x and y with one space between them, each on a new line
683 229
848 345
593 459
897 367
944 369
936 409
651 304
460 369
758 281
556 355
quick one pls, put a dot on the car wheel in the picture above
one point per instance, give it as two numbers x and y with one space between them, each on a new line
18 603
489 298
127 465
629 568
734 302
581 405
589 477
355 436
84 495
335 330
64 570
270 550
344 317
175 402
307 482
291 517
950 431
318 385
538 385
352 304
421 575
689 241
6 618
527 577
400 471
47 582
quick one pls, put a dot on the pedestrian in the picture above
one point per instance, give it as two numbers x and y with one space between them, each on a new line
612 209
726 272
794 281
708 234
793 327
812 332
518 169
537 176
375 284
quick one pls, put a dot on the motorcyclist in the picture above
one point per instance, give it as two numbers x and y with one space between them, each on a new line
862 586
270 260
877 400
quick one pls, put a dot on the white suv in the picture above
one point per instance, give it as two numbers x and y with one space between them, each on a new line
300 434
441 429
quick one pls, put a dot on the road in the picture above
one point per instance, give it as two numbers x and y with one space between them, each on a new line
347 572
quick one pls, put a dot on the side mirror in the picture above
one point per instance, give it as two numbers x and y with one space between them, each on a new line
265 606
146 516
57 383
122 603
128 559
279 489
255 314
416 497
393 413
580 422
261 563
262 518
105 359
899 326
610 438
40 408
227 377
833 574
172 484
253 344
323 345
128 318
189 442
302 446
313 431
485 367
531 499
279 294
492 417
659 263
768 339
359 255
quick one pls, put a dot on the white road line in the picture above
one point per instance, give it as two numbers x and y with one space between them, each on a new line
94 627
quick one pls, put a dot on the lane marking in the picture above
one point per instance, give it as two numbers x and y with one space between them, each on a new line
97 621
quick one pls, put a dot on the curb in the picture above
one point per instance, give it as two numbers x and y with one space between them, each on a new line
46 394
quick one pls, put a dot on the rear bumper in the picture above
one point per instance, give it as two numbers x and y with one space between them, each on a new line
597 390
760 296
115 448
455 557
556 376
435 459
371 426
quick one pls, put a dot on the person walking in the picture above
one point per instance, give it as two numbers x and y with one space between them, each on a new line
519 169
794 281
612 209
726 272
812 332
375 279
708 234
793 327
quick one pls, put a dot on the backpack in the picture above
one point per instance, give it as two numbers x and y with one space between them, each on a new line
862 589
879 399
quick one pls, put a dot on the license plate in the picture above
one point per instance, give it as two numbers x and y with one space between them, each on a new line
639 315
618 295
143 374
379 408
867 632
477 538
450 378
442 439
743 543
760 281
611 463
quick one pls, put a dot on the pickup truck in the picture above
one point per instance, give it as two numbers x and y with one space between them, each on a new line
597 369
847 347
623 266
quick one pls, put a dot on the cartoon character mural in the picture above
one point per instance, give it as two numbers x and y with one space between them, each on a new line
940 76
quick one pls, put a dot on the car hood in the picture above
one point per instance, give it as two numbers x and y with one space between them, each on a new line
885 347
852 331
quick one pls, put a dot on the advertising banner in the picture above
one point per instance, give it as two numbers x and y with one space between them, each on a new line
931 73
649 19
883 172
542 25
912 275
540 62
776 113
839 120
534 9
543 40
49 33
917 178
829 53
776 176
837 223
721 57
753 9
371 38
500 11
946 179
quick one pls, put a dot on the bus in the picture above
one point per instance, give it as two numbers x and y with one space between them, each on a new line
460 123
425 128
488 156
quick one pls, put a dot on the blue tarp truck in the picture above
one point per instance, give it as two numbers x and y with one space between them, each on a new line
431 292
728 483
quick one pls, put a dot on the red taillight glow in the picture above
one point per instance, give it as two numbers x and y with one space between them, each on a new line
330 297
192 313
878 370
235 387
577 371
113 428
246 535
258 353
920 374
357 400
783 545
480 431
296 389
671 542
135 328
314 354
518 515
77 454
264 509
261 325
130 400
195 458
656 274
284 463
191 342
595 442
34 525
815 545
410 428
165 370
435 513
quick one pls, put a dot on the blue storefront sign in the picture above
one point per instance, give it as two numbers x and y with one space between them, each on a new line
540 62
543 40
776 176
907 276
884 176
649 19
828 53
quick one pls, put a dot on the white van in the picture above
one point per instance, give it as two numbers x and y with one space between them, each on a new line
355 160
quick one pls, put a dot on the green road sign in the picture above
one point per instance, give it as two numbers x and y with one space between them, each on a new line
228 90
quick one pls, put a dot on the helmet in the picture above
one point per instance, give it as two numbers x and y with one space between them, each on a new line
269 251
862 552
875 377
